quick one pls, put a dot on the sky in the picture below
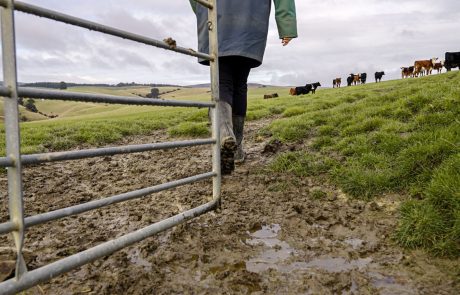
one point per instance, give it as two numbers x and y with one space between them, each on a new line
336 38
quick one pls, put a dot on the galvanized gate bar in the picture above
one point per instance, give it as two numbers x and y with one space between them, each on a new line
5 91
13 139
6 162
204 3
30 92
7 227
100 152
215 118
54 269
96 204
71 20
13 159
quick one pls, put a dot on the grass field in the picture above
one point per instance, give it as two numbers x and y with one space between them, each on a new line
398 137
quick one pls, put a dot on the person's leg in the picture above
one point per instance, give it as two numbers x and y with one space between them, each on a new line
240 97
227 137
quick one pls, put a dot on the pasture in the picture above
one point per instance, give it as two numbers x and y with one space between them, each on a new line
364 174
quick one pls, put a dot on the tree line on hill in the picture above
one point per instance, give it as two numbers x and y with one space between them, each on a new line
65 85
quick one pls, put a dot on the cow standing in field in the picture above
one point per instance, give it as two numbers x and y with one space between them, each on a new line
314 86
336 82
356 79
438 67
378 76
423 67
350 80
363 78
407 72
452 60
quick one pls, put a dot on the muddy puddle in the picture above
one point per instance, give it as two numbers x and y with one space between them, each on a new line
270 236
276 254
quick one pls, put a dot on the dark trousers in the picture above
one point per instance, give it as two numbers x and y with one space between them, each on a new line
233 82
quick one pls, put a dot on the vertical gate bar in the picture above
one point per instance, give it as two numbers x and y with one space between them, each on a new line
15 200
215 117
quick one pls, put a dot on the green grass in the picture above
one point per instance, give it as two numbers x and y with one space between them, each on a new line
397 137
394 137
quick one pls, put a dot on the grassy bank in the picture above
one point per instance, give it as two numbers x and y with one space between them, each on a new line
397 137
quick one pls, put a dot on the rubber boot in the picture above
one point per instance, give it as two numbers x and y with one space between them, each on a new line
238 127
227 139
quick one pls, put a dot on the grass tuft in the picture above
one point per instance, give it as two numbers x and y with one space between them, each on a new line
188 129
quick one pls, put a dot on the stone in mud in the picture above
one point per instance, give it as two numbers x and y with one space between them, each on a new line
272 147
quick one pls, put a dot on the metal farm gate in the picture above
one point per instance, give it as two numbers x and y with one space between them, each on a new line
14 160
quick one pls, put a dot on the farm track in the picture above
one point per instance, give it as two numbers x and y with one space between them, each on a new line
271 236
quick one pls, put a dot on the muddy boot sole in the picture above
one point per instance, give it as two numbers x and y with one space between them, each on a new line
227 156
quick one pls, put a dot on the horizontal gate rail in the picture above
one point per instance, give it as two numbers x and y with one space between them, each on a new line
30 92
14 161
71 20
205 3
54 269
96 204
34 159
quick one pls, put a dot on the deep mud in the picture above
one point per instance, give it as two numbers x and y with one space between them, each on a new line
270 236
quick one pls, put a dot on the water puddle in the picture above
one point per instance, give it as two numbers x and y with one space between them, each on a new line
389 285
354 243
135 257
278 252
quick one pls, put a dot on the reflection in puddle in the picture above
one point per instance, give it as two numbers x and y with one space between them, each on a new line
280 251
135 257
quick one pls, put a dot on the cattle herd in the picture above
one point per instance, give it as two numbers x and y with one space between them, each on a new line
426 67
420 68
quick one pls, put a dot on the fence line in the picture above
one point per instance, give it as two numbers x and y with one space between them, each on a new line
14 160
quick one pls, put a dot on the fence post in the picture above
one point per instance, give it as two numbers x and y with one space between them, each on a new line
215 117
15 200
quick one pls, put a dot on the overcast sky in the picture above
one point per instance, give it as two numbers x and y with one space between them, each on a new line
336 38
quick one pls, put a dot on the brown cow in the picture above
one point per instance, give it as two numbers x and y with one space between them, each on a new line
407 72
337 82
268 96
292 91
424 66
356 79
438 67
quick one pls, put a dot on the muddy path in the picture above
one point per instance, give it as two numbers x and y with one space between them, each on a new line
273 234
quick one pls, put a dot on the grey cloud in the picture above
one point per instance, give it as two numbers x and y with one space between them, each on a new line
335 38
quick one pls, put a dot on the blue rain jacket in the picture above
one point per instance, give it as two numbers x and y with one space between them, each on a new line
243 26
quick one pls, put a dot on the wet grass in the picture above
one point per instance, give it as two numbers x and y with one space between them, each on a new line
397 137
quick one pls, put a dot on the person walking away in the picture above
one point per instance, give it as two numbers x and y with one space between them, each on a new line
242 32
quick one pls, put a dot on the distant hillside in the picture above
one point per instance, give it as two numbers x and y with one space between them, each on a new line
57 85
250 85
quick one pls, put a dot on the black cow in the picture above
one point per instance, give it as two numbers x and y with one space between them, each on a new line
303 90
350 80
313 86
378 76
363 78
452 60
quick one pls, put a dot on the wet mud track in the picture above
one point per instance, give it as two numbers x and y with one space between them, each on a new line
271 235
